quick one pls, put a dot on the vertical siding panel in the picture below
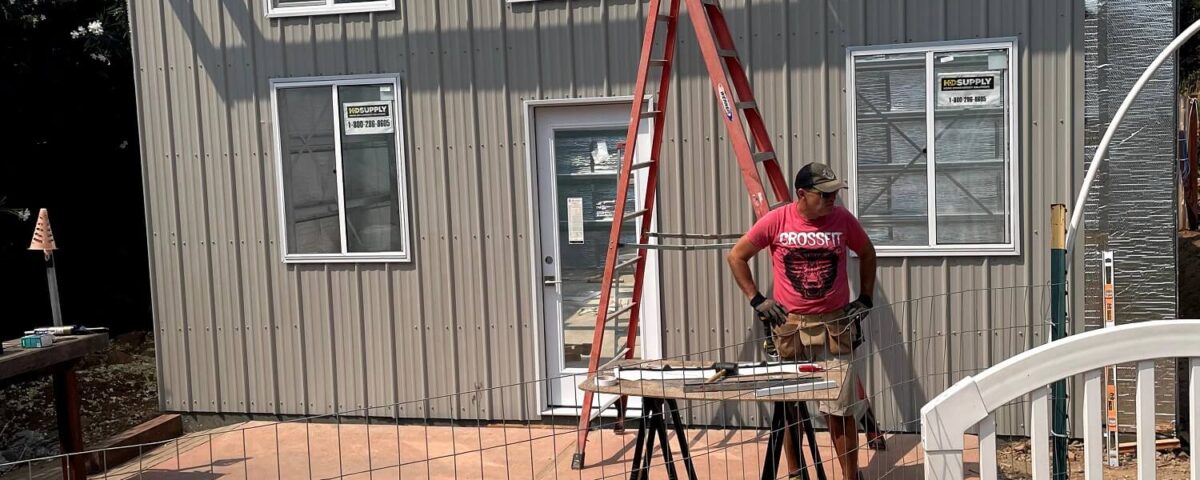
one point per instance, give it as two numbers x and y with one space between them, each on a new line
623 29
468 267
161 214
292 377
521 53
347 339
255 292
379 348
329 52
589 49
507 367
359 45
554 48
191 180
317 338
405 305
212 82
430 197
297 37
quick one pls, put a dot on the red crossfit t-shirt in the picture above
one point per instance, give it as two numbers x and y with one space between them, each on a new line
809 257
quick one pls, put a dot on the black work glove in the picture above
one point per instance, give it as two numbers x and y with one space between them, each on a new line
769 312
856 311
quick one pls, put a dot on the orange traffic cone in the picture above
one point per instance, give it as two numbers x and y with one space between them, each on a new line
43 237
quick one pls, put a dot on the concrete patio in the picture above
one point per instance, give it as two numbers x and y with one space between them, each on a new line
258 449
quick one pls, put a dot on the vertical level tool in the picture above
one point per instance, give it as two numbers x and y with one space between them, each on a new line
1110 372
739 112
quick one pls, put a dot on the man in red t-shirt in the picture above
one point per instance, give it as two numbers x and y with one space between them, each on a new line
811 315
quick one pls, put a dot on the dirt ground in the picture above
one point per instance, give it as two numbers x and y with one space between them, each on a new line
1014 461
1189 274
117 389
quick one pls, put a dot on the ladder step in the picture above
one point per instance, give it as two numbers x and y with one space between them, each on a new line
658 62
780 204
714 3
665 17
727 52
641 165
747 105
678 247
763 156
623 310
633 215
626 263
651 113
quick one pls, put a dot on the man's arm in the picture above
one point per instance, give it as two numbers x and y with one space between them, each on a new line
739 263
866 268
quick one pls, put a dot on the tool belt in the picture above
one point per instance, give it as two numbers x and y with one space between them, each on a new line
804 334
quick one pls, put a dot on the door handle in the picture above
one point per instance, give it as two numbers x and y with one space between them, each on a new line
550 280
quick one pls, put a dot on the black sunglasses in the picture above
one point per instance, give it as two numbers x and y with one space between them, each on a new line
832 194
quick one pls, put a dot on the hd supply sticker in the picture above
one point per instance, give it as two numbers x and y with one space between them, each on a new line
366 118
968 89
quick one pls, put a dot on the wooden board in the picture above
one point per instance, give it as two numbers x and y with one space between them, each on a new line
674 388
18 362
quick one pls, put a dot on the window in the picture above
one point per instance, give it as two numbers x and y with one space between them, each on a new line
932 130
292 8
340 169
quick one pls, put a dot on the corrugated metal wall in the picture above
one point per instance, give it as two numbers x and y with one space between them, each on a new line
239 331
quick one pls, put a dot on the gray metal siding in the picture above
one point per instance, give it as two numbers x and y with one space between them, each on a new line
239 331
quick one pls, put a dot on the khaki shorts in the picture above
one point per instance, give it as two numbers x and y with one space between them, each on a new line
826 338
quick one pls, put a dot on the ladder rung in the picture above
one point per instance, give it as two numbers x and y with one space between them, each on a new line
747 105
626 263
780 204
685 248
651 113
641 165
664 17
706 236
633 215
621 311
763 156
727 52
658 62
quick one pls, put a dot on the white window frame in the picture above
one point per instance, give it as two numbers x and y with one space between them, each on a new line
1013 247
327 7
405 255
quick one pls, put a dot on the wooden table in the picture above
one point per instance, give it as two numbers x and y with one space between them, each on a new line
659 400
59 360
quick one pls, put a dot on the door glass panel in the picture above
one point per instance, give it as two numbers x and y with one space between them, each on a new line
587 163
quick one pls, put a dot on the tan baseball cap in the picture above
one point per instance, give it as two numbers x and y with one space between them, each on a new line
818 176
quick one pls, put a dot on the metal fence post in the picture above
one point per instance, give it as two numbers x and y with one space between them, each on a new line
1058 318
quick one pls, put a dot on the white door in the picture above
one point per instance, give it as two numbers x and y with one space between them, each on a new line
578 156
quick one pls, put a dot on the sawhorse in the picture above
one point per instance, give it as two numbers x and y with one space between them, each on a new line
787 415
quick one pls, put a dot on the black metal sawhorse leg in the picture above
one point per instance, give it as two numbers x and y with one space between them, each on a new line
791 416
653 423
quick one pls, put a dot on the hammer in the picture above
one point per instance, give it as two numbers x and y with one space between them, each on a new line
723 369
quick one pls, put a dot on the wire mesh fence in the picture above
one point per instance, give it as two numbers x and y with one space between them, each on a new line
913 350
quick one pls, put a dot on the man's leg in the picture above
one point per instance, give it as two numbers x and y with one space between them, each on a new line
790 450
844 433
